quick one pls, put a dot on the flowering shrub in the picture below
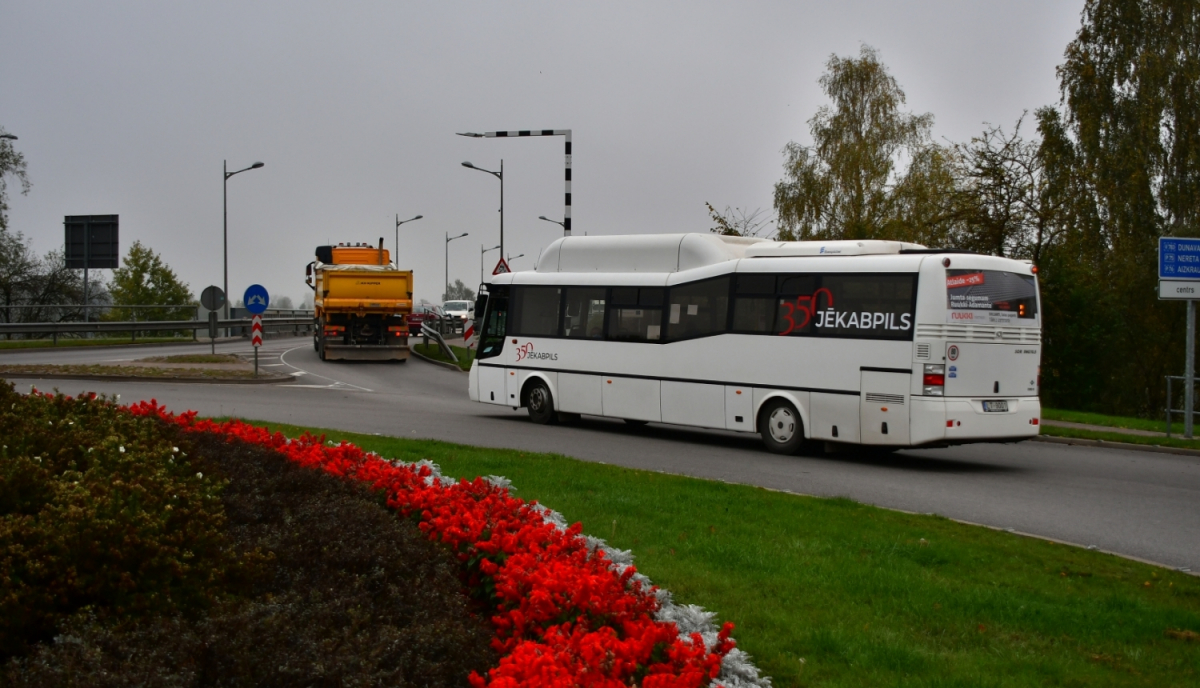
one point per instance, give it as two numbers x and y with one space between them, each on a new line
98 509
564 611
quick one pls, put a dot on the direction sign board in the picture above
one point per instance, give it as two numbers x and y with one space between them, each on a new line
1178 258
1178 289
91 241
501 268
256 299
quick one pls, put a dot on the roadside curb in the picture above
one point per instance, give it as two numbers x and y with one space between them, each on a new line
135 378
444 364
1117 445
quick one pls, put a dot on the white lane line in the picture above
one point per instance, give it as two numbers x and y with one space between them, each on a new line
336 383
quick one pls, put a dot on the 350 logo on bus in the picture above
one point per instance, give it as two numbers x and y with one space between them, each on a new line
525 351
798 315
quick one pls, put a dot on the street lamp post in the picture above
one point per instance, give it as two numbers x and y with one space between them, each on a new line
10 137
510 259
560 224
566 134
482 251
225 231
446 294
498 175
396 258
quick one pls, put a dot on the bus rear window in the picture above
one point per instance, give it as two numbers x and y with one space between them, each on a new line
990 296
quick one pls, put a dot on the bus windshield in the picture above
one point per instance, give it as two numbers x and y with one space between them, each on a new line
991 297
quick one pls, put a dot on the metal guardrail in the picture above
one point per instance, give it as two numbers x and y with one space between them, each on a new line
1182 412
428 331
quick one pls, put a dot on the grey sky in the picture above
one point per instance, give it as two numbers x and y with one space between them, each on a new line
130 108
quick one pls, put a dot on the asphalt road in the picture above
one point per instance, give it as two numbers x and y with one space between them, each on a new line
1136 503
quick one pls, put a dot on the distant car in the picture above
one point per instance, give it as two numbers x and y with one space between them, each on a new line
460 312
427 313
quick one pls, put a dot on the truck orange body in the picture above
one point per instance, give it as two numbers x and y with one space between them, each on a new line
361 304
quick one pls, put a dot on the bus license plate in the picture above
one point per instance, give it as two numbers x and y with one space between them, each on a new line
995 406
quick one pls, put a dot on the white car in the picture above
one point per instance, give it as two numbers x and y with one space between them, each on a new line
461 311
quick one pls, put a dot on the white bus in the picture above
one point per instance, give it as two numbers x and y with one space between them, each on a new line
860 342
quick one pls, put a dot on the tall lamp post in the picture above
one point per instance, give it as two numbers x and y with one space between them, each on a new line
498 175
446 294
560 224
10 137
396 258
482 251
225 231
510 259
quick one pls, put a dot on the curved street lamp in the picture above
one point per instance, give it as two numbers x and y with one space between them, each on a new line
482 251
446 294
560 224
396 258
225 231
498 175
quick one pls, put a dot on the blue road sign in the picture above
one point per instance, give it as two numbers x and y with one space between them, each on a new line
256 298
1178 258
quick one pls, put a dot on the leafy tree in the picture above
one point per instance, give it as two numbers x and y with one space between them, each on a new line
283 303
12 164
459 292
147 280
843 186
1123 158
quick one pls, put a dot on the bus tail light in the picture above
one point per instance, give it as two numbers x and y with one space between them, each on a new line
334 329
933 383
398 330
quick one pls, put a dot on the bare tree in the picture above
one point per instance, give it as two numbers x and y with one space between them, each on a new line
738 222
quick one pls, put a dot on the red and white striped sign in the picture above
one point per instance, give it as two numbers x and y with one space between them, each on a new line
469 334
256 332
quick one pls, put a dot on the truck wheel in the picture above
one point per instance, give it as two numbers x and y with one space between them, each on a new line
780 426
540 403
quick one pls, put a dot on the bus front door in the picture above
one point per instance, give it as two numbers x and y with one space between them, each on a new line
492 308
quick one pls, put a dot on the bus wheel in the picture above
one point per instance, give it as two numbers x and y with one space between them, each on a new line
540 404
780 426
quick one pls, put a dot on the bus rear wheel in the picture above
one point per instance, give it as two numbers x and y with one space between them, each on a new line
540 403
780 426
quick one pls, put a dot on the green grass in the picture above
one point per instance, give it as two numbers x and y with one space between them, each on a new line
829 592
89 370
1176 440
1108 421
465 355
195 358
110 341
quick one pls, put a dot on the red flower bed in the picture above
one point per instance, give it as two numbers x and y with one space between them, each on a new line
563 616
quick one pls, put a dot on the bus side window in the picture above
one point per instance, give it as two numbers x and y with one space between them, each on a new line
754 304
583 316
635 314
535 311
698 309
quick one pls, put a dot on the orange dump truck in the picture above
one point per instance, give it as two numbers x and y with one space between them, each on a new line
362 303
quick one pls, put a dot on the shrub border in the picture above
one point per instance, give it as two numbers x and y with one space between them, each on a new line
568 610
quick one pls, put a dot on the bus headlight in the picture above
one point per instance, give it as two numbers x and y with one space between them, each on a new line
933 382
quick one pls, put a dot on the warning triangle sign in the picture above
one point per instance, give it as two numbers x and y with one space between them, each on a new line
501 268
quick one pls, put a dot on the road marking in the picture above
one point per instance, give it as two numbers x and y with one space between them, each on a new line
337 384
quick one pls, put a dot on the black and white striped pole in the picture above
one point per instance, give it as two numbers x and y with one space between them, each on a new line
566 134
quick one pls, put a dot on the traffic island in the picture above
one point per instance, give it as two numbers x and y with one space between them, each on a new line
219 368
